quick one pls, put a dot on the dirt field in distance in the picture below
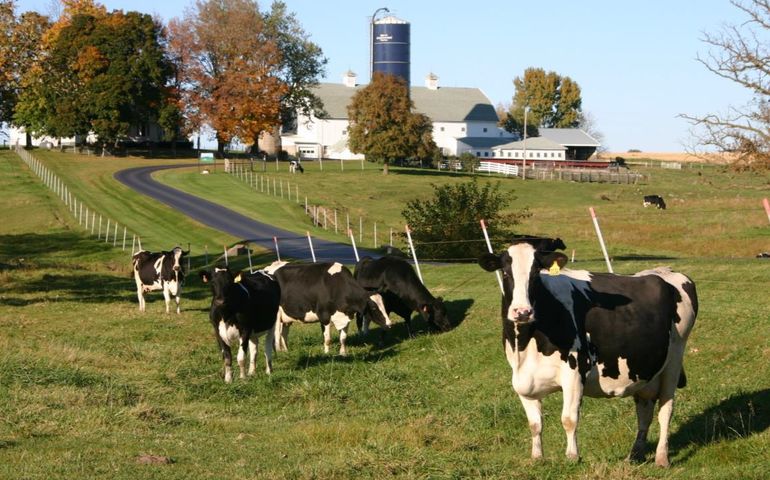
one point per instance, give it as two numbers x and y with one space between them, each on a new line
667 156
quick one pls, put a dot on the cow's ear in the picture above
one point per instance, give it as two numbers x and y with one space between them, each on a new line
490 262
558 244
551 258
204 276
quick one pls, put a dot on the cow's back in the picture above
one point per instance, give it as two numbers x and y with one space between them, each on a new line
624 326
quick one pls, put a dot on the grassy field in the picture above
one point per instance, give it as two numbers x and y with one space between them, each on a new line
91 388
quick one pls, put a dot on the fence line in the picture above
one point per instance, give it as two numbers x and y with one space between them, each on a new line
74 205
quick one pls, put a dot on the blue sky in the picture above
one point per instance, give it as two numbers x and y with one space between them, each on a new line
634 61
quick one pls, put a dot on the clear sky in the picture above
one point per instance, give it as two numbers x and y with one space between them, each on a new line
634 61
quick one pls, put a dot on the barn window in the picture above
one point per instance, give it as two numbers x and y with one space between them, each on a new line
485 129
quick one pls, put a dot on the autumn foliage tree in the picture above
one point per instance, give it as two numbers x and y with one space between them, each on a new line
383 126
20 47
227 67
553 100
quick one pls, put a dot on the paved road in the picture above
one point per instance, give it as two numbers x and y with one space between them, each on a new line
231 222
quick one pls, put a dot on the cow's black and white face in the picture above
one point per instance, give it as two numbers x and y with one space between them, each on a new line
177 253
220 280
521 263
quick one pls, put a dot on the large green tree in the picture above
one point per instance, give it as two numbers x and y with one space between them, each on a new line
301 66
383 126
553 101
100 73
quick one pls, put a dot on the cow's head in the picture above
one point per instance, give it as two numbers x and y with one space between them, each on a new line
375 310
435 314
177 254
220 279
521 264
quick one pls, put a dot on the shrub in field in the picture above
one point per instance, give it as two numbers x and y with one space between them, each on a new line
447 225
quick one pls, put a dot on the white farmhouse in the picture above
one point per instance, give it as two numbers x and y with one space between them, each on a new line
464 120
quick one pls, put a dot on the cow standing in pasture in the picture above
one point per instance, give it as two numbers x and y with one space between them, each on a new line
325 293
593 334
243 308
656 200
402 292
159 271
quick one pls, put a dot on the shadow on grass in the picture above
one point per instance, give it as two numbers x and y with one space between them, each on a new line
429 172
737 417
307 360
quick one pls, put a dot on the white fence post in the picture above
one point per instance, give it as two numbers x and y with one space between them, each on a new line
310 242
767 207
489 247
277 251
601 239
353 242
414 253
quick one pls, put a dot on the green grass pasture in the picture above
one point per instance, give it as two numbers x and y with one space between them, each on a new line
92 388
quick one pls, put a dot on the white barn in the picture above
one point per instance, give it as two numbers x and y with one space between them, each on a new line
464 120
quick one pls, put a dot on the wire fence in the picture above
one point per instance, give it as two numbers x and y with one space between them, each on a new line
112 232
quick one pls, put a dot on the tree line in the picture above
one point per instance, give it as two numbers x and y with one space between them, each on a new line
224 64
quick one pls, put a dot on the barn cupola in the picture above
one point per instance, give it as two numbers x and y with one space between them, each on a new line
349 79
431 81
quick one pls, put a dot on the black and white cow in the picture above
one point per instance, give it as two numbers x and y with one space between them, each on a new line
594 334
326 293
243 308
159 271
656 200
401 290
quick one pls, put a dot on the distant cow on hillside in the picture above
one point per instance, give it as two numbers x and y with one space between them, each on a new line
656 200
159 271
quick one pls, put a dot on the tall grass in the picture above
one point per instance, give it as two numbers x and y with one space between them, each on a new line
92 388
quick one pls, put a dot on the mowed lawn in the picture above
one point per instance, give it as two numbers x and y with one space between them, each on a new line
92 388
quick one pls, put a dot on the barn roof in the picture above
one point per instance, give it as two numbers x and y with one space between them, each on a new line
445 104
569 137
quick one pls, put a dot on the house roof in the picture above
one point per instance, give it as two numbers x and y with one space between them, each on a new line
445 104
569 137
484 142
533 143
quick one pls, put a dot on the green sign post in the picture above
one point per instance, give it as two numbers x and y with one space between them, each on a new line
206 157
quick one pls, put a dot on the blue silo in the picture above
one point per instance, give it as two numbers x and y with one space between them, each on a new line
390 47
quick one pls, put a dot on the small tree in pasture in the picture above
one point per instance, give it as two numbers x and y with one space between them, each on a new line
446 226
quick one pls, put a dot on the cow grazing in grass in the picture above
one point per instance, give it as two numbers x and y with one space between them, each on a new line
243 308
656 200
159 271
325 293
594 334
402 292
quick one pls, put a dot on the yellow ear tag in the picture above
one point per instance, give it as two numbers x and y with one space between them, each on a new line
237 279
554 270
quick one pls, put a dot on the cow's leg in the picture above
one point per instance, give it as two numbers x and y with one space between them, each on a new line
668 383
343 336
227 356
253 347
242 347
269 348
645 407
572 390
140 296
327 337
167 297
533 409
177 298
